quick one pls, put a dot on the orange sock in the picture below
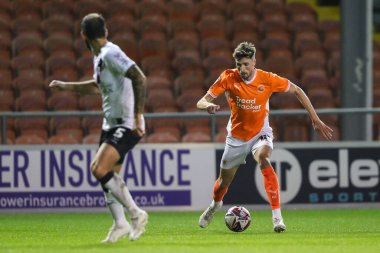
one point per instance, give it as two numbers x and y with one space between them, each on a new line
271 187
218 192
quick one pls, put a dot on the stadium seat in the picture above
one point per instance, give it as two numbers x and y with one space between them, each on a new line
187 101
5 38
58 25
25 62
212 26
29 79
250 36
186 82
92 124
298 7
63 139
211 7
30 102
196 137
315 79
280 64
40 132
179 26
187 61
276 21
162 137
295 132
54 8
328 25
312 60
147 7
128 43
149 47
331 41
184 41
10 137
153 23
5 58
29 140
303 22
6 99
172 129
160 98
58 42
93 138
90 102
6 79
236 8
158 82
266 6
182 9
77 133
85 7
26 24
60 123
215 44
152 63
114 8
306 41
26 42
120 24
63 101
276 40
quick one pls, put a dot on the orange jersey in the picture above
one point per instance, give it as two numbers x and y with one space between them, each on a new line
249 102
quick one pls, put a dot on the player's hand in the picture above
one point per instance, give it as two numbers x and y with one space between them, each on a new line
212 109
140 125
55 84
323 129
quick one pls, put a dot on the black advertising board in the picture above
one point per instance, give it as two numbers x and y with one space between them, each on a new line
311 176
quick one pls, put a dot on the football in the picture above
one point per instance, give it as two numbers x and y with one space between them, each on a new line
237 218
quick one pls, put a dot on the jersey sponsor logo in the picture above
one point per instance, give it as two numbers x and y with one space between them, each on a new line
247 104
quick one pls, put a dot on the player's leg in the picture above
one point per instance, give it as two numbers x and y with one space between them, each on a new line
106 158
120 227
219 190
233 156
262 155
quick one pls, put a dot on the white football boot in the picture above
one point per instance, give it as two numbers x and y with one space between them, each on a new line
206 217
138 225
116 233
278 225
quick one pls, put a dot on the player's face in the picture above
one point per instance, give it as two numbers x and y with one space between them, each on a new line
246 67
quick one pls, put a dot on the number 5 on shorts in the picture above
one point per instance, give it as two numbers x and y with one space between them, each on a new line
119 132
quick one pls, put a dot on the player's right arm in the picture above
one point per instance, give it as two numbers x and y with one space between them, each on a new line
205 103
82 87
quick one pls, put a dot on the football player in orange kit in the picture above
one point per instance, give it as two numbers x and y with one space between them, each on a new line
248 91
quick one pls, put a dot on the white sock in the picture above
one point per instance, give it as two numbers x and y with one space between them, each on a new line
116 209
120 191
216 204
276 213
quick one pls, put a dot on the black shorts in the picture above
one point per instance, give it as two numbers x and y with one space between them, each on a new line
121 138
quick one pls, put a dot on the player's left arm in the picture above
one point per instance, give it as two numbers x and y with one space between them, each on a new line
318 124
139 89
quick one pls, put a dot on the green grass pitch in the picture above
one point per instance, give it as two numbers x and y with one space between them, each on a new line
325 231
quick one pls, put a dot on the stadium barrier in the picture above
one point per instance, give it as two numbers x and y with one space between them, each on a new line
175 115
180 176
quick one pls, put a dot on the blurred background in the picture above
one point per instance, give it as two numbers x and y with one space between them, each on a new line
183 46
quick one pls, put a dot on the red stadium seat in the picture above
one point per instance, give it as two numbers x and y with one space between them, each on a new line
63 139
29 140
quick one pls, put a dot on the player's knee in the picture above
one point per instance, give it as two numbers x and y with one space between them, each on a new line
263 160
96 169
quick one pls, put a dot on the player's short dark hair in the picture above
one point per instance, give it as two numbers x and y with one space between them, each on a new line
93 26
244 50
